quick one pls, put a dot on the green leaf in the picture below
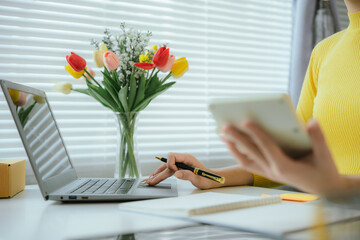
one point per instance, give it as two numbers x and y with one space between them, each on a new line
116 85
28 110
98 98
24 115
113 94
83 91
143 104
152 86
123 97
140 94
21 110
101 95
115 77
132 90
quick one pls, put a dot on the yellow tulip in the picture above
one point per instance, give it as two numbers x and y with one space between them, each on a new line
103 48
142 58
15 95
180 67
98 59
75 74
154 47
63 87
98 55
39 99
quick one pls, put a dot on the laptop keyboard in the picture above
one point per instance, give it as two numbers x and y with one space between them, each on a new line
104 186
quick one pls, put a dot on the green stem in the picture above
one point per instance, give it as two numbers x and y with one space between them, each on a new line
90 77
152 72
132 129
122 157
127 161
166 78
130 159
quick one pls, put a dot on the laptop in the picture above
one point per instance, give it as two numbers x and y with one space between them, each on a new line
51 162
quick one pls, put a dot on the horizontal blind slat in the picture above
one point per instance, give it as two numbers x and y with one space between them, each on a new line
232 48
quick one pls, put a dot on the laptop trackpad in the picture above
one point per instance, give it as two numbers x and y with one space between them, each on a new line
158 186
163 189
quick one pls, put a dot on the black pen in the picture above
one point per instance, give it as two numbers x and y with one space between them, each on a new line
197 171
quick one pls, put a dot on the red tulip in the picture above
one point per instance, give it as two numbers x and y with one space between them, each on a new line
161 57
145 65
76 62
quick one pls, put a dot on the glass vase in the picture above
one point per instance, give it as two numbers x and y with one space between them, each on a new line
127 162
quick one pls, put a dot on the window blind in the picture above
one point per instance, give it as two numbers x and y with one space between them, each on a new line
233 47
343 14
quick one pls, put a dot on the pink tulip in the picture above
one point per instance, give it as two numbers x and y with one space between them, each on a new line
111 61
22 99
167 67
92 73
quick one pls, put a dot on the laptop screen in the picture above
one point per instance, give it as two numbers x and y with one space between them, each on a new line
40 133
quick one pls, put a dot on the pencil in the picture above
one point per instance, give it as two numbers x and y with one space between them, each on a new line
197 171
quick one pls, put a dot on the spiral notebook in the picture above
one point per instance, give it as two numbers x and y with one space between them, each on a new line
265 215
199 204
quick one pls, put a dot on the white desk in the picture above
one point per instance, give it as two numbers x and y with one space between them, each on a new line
28 216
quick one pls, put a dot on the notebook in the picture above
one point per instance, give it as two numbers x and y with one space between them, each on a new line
266 215
199 204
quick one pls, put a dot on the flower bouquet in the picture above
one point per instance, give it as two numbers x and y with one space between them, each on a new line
133 76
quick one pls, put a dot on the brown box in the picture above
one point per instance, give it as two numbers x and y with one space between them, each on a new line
12 177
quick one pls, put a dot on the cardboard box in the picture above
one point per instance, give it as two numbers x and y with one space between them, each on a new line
12 177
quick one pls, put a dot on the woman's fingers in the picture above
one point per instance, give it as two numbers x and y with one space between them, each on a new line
197 181
245 163
268 147
171 160
160 169
166 173
185 175
169 168
188 159
242 143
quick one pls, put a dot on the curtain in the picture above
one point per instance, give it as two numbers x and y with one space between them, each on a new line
310 17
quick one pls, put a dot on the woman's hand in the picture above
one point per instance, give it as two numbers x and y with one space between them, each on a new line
168 169
256 152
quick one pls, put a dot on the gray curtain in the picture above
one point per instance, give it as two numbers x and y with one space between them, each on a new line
309 24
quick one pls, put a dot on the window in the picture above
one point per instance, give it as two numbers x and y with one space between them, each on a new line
233 47
343 14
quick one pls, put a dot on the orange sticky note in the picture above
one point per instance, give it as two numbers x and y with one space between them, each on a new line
295 197
298 197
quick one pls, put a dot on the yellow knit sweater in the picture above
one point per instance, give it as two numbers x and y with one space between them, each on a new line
331 95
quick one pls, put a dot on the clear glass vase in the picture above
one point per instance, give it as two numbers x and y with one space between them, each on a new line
127 163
